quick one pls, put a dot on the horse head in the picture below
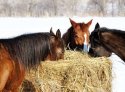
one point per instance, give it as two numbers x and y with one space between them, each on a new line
77 36
56 46
97 46
81 32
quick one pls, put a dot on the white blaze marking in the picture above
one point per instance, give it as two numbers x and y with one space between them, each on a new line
85 36
86 49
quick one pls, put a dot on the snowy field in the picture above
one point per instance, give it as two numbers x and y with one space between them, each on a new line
11 27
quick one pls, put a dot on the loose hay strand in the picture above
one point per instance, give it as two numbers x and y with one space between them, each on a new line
76 73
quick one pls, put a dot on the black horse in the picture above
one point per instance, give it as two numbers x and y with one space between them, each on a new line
106 41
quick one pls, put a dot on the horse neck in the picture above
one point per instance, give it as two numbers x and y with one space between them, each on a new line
30 54
67 37
116 46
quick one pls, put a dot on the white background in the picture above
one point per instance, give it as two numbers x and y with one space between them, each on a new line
11 27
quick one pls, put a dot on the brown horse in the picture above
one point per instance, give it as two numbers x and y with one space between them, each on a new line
77 36
24 52
106 41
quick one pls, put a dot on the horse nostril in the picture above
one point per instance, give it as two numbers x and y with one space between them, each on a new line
91 52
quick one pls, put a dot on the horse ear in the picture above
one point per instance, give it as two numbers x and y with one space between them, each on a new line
89 23
97 26
51 32
58 33
73 23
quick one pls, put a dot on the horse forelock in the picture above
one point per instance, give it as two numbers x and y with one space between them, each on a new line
28 49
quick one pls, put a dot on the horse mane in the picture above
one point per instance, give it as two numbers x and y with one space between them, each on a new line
29 49
67 36
119 33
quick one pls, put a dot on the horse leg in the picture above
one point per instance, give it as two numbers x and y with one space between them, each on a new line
16 79
4 75
13 86
16 86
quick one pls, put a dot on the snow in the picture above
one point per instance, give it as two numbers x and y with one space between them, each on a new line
11 27
118 74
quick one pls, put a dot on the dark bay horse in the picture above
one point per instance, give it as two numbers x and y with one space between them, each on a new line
24 52
104 41
77 36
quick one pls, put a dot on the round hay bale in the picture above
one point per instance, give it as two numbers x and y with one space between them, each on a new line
76 73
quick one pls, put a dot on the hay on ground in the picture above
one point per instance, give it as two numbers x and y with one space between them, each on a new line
76 73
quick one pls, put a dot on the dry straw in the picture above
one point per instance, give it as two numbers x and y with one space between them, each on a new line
76 73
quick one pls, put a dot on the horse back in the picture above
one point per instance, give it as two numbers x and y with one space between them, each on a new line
28 49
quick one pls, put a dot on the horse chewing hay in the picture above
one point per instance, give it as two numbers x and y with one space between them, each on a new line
77 36
106 41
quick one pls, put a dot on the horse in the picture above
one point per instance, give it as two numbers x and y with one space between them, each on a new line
106 41
18 54
77 36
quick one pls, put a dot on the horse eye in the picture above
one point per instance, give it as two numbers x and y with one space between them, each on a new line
96 40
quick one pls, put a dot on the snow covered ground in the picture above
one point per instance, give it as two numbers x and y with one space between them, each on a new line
10 27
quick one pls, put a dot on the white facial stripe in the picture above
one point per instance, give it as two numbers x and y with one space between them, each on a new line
85 36
86 47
